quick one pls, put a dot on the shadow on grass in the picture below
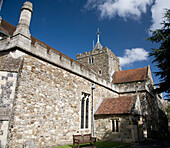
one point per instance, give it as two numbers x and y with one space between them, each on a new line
99 144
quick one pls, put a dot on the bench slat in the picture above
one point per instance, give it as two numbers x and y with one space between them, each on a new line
86 138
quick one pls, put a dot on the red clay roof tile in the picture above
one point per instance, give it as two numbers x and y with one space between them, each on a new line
119 105
132 75
7 27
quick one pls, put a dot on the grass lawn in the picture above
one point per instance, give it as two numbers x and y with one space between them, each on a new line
99 144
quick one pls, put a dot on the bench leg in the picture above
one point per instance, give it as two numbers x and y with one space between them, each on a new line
73 145
78 145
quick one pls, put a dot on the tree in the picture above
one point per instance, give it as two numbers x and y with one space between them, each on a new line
162 54
168 112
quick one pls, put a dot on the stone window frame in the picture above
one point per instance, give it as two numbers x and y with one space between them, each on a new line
91 60
85 117
116 125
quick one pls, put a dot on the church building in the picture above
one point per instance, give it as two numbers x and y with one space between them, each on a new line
46 97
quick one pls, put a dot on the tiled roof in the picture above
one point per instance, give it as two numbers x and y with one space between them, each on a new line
132 75
119 105
7 28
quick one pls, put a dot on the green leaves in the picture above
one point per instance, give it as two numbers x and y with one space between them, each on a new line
162 54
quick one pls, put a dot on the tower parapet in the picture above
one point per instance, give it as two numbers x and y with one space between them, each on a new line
101 59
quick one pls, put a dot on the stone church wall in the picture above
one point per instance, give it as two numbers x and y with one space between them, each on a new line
48 102
7 94
103 128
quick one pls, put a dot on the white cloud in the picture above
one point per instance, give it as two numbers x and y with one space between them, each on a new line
130 9
158 13
133 55
122 8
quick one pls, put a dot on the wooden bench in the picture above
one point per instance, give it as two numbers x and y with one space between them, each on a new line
86 138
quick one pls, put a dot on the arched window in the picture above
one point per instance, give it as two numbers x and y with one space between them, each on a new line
115 126
85 111
89 60
82 113
92 60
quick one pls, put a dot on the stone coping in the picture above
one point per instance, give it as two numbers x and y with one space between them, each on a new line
22 43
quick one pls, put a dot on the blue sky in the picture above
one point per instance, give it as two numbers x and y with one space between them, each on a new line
70 26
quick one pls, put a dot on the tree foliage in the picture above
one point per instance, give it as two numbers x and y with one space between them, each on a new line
168 112
162 54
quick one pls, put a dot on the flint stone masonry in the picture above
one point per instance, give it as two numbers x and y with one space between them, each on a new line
104 62
48 104
55 57
29 144
9 63
7 93
49 85
132 128
41 92
103 128
8 82
3 133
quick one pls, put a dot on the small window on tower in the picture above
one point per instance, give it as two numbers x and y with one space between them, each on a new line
100 72
89 60
92 60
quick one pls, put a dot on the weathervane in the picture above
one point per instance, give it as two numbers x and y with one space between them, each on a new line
98 34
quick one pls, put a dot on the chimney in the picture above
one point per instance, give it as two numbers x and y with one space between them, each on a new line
24 21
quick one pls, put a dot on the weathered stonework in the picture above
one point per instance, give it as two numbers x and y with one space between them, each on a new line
105 63
7 90
139 124
41 93
3 133
7 94
48 104
104 132
9 68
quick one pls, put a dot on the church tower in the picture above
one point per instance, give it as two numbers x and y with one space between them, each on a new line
100 59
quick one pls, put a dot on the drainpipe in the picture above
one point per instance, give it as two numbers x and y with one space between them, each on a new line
92 124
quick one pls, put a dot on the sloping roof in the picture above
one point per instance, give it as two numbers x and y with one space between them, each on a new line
97 46
132 75
7 27
119 105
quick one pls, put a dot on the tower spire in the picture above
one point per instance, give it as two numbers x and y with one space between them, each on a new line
98 35
98 45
